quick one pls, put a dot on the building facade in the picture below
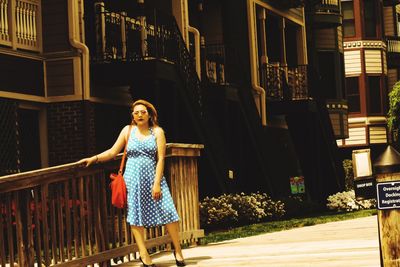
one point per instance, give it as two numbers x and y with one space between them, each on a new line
372 50
248 78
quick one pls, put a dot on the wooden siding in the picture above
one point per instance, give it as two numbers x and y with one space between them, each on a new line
357 136
377 135
373 61
393 77
326 39
60 77
55 26
352 62
388 21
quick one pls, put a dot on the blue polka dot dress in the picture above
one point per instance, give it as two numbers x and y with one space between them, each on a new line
139 176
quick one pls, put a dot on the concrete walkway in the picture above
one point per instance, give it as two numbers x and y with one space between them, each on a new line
346 243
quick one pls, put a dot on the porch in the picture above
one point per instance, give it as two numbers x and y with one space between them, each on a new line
63 215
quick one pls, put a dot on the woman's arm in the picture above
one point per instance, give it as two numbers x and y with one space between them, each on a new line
161 144
110 153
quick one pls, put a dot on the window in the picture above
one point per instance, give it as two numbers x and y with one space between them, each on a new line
374 95
353 94
348 19
370 18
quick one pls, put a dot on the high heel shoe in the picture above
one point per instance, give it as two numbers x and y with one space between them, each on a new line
146 265
179 263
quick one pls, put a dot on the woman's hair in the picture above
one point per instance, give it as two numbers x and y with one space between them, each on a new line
151 110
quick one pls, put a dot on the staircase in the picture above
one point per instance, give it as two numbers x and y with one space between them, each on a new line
191 91
313 138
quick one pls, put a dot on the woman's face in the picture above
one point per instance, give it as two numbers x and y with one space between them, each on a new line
140 115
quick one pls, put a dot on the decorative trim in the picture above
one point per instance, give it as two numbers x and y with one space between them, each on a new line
364 44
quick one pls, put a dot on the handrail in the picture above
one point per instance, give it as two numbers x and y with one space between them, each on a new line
63 216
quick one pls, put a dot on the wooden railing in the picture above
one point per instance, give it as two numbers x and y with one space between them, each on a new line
393 44
62 215
284 83
328 6
20 24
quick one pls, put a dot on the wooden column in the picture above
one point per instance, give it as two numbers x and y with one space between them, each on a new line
387 168
182 176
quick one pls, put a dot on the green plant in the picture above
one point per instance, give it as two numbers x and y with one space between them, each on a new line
348 174
393 120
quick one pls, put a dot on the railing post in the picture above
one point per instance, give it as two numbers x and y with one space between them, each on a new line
13 24
100 30
181 170
123 34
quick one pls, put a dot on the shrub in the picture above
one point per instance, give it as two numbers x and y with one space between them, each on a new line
239 209
217 212
346 201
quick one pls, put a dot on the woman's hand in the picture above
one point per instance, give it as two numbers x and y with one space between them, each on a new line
156 191
88 161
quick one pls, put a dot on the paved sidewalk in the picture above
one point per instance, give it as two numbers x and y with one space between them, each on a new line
346 243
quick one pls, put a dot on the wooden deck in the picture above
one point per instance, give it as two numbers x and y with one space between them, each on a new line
345 243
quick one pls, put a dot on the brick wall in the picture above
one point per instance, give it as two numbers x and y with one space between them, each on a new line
70 131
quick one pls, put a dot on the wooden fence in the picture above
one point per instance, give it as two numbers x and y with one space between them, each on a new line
63 216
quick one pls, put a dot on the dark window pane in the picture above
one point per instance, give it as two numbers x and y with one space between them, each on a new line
348 19
354 103
374 94
327 72
370 18
353 94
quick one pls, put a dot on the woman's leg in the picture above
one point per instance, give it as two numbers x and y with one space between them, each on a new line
138 232
173 230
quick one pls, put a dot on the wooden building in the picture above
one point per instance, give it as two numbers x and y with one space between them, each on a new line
258 82
371 46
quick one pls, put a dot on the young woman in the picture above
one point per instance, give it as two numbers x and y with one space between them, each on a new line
149 200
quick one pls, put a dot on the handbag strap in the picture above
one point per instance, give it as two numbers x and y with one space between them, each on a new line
124 155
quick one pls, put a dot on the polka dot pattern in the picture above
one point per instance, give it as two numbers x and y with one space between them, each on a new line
139 176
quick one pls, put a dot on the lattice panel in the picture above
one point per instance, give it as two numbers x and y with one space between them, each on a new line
9 148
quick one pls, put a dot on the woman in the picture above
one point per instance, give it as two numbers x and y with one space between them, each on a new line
149 199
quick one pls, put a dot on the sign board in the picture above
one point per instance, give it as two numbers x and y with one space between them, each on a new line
362 163
365 188
297 185
388 195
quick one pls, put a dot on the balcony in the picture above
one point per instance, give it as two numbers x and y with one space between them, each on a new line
391 2
285 83
215 63
327 14
20 24
120 37
393 51
286 4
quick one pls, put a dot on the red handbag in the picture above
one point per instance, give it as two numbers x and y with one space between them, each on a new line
118 186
